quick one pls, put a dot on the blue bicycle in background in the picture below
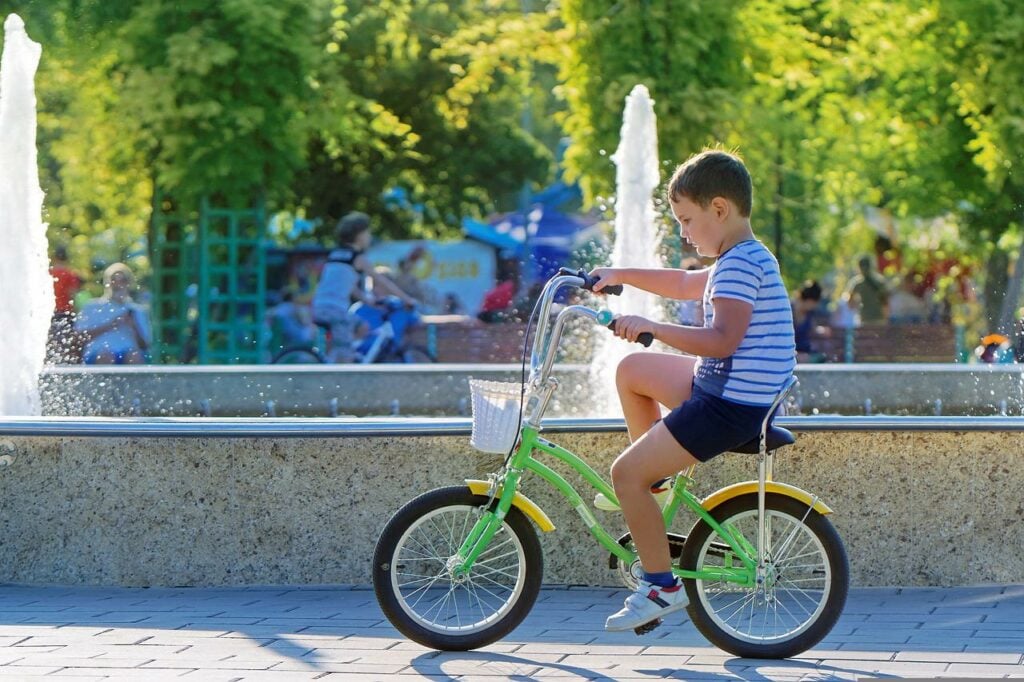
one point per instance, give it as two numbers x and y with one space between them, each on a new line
386 341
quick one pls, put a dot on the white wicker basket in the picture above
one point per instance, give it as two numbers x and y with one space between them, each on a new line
495 415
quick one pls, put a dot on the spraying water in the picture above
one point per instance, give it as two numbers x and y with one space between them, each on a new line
636 235
27 304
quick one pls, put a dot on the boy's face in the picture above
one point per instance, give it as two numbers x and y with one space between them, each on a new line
703 228
363 240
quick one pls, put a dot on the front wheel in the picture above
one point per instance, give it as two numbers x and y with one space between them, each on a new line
414 582
806 579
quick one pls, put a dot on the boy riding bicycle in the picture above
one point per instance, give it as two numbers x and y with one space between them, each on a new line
720 393
343 280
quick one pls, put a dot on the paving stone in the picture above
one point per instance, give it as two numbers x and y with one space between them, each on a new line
24 671
199 663
966 657
291 633
1015 671
852 654
891 667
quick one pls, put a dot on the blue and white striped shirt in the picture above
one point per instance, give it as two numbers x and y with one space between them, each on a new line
765 358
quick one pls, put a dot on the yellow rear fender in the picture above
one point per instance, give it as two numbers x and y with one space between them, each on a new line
725 494
520 502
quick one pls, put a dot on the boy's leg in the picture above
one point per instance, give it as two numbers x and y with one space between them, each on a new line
653 456
644 380
341 350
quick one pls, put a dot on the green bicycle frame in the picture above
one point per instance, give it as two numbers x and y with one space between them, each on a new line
523 460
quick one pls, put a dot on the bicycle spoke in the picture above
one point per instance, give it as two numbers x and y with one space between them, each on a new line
790 604
429 591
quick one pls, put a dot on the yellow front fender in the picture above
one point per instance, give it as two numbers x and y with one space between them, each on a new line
520 502
737 489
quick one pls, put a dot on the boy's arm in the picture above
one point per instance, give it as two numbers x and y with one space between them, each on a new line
381 282
732 318
667 282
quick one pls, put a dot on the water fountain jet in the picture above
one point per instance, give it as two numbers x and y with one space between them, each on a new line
24 265
636 235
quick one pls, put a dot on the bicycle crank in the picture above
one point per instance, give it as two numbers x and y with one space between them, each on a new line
631 574
647 627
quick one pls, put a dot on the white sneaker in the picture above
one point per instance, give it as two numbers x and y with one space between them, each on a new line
648 603
661 496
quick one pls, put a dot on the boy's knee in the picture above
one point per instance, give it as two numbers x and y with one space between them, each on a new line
628 371
624 475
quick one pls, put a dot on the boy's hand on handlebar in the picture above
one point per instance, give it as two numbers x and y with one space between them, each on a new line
630 327
605 277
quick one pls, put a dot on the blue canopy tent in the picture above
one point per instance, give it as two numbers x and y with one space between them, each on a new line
544 238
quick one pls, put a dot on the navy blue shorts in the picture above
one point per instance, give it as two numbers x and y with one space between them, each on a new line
707 425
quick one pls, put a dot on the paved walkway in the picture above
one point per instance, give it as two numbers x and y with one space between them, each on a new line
283 634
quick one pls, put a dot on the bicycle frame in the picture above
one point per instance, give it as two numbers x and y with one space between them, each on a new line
505 484
504 490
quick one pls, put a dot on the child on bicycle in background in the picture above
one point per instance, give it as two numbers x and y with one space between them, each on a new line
343 282
718 394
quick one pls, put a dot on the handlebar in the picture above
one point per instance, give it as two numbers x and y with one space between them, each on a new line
589 282
645 338
543 354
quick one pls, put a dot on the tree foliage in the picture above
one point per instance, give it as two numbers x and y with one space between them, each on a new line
389 116
686 53
422 112
212 93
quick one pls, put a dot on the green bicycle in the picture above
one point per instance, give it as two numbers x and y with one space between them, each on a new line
459 567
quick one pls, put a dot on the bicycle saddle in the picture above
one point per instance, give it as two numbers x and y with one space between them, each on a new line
776 437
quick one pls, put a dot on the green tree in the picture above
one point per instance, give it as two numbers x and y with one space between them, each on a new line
988 58
688 56
96 184
214 92
383 118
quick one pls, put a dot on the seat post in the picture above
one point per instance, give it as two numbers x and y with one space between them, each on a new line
765 471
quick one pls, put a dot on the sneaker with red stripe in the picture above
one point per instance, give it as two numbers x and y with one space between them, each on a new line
648 603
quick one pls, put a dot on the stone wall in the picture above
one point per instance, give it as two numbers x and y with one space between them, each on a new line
429 390
915 508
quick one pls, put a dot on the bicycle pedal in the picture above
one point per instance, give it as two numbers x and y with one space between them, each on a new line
647 627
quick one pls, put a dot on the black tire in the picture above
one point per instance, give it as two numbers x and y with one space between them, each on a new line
811 593
417 354
501 588
298 355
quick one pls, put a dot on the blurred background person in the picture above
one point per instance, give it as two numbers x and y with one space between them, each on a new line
867 294
905 305
808 322
291 324
115 328
406 277
63 345
343 281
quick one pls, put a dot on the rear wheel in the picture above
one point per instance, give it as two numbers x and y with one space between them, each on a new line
419 593
806 579
299 355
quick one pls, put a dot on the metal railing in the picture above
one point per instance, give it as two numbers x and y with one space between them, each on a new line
267 427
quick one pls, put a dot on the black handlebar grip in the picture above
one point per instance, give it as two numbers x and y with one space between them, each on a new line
645 339
589 282
613 289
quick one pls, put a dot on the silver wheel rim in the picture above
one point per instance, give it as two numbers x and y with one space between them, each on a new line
797 585
425 588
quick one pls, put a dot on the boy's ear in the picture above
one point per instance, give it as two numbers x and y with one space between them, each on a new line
721 207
